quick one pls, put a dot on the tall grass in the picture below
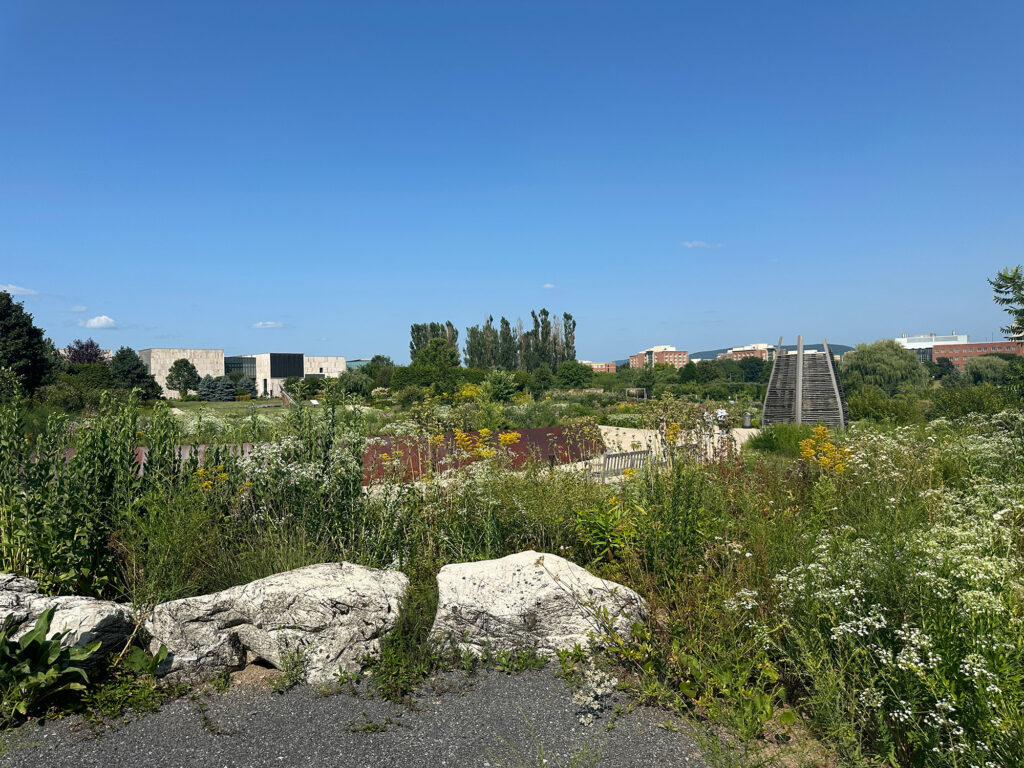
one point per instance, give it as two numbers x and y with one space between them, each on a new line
877 598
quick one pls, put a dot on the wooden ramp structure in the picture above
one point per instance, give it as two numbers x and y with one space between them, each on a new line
804 389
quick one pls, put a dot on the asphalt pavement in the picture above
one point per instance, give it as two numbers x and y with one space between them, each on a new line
489 719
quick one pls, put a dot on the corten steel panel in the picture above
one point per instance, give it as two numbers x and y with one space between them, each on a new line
416 458
413 458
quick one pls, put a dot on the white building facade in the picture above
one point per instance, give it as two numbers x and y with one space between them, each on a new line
158 361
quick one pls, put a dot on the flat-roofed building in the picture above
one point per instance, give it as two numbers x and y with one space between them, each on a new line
324 365
272 368
921 344
760 351
158 361
959 354
662 353
599 367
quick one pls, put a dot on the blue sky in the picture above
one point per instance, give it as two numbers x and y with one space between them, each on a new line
697 174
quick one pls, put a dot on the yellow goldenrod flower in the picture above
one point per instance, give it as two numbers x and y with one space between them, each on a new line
509 438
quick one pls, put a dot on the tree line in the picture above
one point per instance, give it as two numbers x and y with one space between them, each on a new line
551 341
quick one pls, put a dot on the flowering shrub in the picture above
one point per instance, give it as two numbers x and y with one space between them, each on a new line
819 450
915 633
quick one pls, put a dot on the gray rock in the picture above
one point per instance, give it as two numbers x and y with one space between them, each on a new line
84 619
9 582
330 613
529 600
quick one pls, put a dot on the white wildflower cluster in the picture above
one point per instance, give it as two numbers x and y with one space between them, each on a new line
862 626
403 428
871 698
929 613
745 599
916 655
594 694
884 458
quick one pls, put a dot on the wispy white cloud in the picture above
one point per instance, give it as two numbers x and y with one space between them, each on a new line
700 244
549 286
100 321
268 324
17 290
79 308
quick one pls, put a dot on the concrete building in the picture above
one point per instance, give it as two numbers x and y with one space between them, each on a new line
760 351
662 353
158 361
599 367
272 368
323 365
959 354
268 370
922 344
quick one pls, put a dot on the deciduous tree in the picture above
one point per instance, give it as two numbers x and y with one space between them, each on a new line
183 376
883 364
87 351
1008 287
574 374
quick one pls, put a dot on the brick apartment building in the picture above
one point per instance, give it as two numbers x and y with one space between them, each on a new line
599 367
760 351
660 354
959 354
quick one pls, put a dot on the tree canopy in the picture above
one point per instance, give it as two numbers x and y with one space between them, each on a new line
883 364
423 333
129 372
87 351
183 376
1008 288
23 348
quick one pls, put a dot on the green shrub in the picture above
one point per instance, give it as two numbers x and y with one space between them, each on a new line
870 402
957 402
35 670
781 439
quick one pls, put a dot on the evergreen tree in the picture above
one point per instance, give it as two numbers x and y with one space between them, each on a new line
224 389
129 372
23 348
246 386
206 389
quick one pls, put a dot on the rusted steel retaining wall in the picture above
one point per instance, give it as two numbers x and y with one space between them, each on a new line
411 458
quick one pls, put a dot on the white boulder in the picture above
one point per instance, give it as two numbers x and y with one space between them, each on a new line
529 600
84 619
331 614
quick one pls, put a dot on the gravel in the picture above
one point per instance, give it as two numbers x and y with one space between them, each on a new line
490 719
